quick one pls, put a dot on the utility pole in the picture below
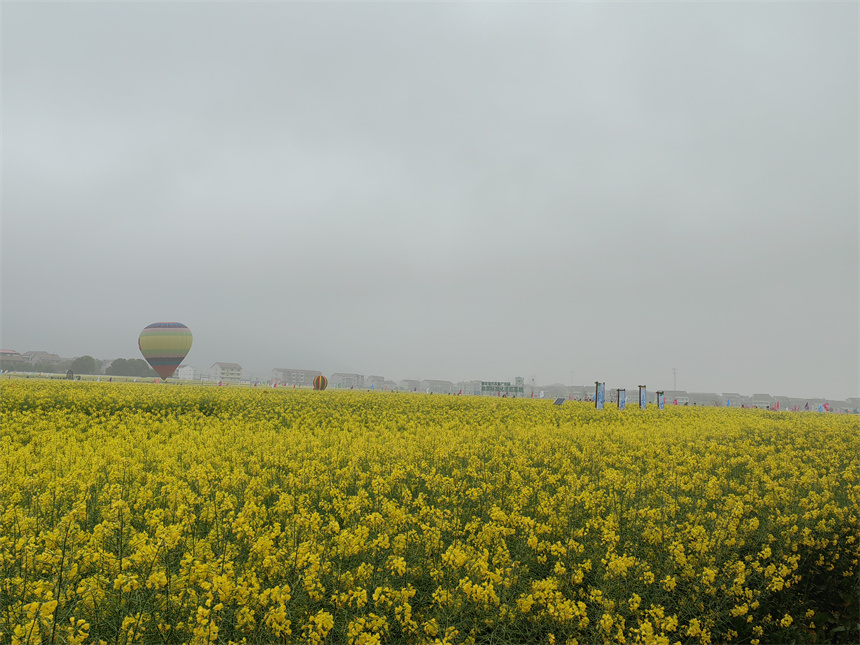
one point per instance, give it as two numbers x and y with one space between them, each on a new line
675 378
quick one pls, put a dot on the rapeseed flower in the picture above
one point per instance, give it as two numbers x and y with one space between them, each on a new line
152 513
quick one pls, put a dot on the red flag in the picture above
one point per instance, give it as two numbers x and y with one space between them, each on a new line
460 392
827 407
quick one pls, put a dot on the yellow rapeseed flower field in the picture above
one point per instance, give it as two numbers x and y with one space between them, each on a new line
156 513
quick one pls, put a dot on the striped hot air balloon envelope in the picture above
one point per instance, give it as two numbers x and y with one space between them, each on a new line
320 382
165 345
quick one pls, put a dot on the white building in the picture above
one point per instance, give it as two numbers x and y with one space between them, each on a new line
676 397
436 387
299 378
375 382
554 391
184 372
472 388
705 398
346 381
583 392
732 399
762 401
227 372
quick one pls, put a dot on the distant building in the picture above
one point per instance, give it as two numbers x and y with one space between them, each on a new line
814 403
41 357
472 388
785 402
299 378
389 385
184 372
436 387
408 385
732 399
346 381
12 360
553 391
227 372
582 392
631 395
840 406
375 382
762 400
705 398
676 397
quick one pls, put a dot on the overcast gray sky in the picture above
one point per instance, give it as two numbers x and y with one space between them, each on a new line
574 192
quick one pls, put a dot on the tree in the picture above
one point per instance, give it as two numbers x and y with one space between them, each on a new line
129 367
53 368
116 368
139 367
85 365
46 366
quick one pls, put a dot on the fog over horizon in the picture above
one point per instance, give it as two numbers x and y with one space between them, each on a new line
564 192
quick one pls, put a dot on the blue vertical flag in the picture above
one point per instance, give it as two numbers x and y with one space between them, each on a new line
660 400
622 399
642 401
598 394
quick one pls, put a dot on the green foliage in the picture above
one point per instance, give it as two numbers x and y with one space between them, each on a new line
129 367
48 367
52 368
85 365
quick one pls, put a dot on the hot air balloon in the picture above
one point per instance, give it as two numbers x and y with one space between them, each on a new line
320 382
165 345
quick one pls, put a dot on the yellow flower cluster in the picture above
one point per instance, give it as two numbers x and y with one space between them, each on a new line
149 513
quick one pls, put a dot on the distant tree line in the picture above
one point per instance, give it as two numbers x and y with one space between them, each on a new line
41 366
86 365
130 367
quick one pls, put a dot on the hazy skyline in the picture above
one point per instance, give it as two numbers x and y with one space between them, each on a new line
574 192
